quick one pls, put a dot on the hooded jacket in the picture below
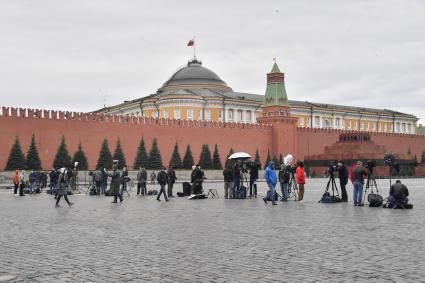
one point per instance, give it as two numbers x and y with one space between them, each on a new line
270 175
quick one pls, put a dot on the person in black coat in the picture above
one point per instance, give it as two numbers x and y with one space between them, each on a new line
162 179
253 177
343 180
197 178
171 175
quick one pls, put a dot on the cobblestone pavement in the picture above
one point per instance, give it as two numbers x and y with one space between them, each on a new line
212 240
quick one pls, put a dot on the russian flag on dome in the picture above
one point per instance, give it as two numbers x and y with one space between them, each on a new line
191 42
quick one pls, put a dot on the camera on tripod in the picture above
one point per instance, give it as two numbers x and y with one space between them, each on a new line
332 167
370 164
389 159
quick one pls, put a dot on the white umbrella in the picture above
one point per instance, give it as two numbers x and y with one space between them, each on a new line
239 155
288 159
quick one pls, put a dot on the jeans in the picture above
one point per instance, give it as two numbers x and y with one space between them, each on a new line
284 189
357 193
103 187
32 187
397 201
272 191
228 190
162 190
237 185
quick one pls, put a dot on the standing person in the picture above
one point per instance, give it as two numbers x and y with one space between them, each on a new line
74 180
197 178
15 180
32 178
97 176
253 177
271 180
237 176
343 180
104 182
300 178
114 188
229 182
142 178
171 178
162 181
22 183
124 180
358 175
284 176
62 190
153 177
53 176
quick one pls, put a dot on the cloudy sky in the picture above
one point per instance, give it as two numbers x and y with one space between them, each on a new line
79 54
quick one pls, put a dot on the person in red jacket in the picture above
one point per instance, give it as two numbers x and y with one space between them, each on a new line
300 178
16 182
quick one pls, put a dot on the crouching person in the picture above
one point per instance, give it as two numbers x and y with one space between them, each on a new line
398 195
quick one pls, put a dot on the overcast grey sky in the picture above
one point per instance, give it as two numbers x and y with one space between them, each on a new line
71 54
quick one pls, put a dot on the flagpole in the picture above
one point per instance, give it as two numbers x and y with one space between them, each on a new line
194 47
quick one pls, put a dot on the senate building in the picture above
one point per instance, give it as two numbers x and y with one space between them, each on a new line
194 92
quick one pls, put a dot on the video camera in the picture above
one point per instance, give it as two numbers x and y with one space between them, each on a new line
389 159
333 166
370 164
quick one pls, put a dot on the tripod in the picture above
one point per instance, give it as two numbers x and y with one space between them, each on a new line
370 184
292 188
332 183
91 185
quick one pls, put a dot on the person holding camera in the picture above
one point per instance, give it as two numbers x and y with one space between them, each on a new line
343 180
358 176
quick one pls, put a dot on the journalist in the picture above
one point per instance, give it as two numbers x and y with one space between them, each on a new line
398 194
228 181
253 177
284 177
300 178
343 180
114 189
358 176
271 180
171 179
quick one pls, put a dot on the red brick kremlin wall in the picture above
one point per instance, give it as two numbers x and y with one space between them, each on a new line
91 129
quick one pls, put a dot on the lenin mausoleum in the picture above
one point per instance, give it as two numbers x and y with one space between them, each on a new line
196 107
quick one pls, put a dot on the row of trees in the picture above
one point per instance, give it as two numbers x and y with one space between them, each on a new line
151 160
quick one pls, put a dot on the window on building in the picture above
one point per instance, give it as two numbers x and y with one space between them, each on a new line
409 128
361 125
240 116
309 122
220 115
385 127
176 113
397 128
230 114
367 126
249 116
326 123
165 113
379 126
337 123
403 127
355 125
199 114
301 121
155 114
317 121
373 126
208 115
190 114
349 125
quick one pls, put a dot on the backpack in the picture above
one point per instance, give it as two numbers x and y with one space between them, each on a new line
375 200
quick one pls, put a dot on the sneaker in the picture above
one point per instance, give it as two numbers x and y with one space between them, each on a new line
274 203
265 201
158 199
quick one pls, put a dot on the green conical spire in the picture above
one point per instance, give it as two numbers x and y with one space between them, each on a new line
275 68
276 91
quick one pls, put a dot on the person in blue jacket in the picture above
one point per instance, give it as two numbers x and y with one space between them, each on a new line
271 180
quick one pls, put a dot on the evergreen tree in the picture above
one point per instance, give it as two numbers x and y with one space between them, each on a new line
257 158
188 158
216 159
228 161
155 160
267 159
141 159
276 162
105 158
205 160
16 158
415 161
119 155
280 160
62 158
176 160
423 157
80 157
33 160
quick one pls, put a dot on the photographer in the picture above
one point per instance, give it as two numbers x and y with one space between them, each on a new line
253 177
171 179
271 180
300 178
284 177
142 178
97 176
358 175
398 194
197 177
114 189
228 182
343 179
237 176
